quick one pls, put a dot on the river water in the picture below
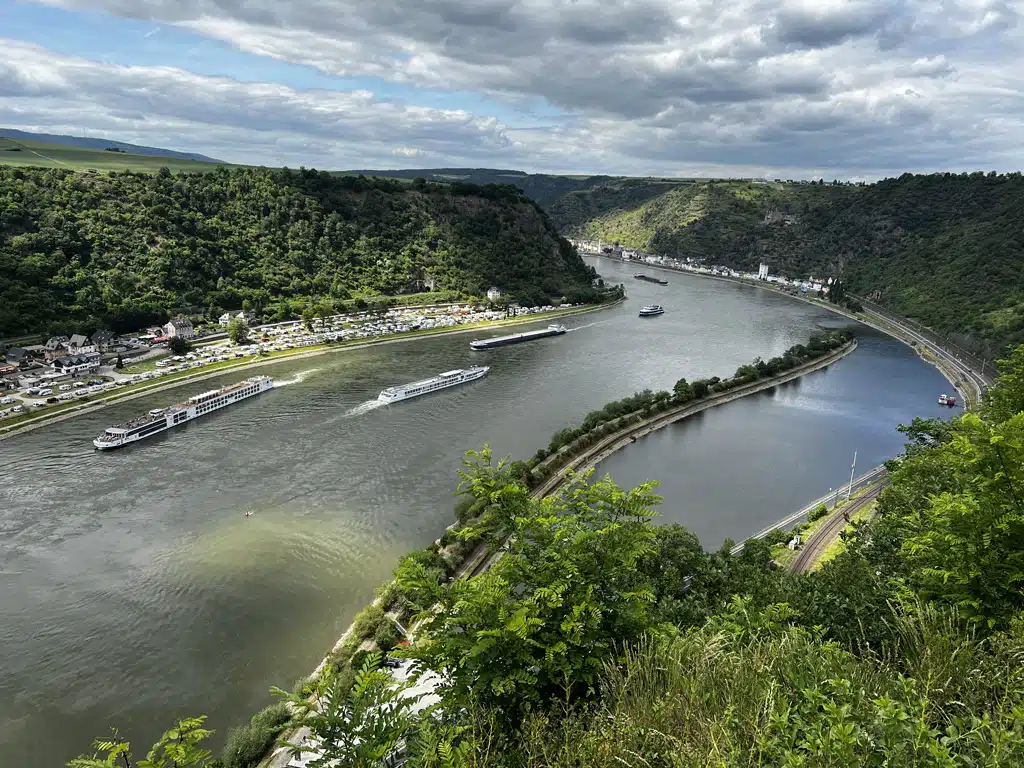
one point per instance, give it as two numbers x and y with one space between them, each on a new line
135 589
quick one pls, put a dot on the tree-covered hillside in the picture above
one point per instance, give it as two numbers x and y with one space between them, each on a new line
944 249
544 188
81 250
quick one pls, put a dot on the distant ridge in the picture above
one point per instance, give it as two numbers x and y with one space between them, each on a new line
543 188
91 143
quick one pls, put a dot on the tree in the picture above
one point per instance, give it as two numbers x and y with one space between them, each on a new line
1005 400
358 727
178 345
536 627
238 331
179 747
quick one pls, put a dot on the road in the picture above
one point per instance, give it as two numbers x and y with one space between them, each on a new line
834 524
977 381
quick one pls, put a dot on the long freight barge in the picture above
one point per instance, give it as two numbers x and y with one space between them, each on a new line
649 279
162 419
517 338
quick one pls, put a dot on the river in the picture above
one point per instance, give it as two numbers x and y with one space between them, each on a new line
135 589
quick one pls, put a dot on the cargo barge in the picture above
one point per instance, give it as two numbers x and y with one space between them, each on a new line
517 338
649 279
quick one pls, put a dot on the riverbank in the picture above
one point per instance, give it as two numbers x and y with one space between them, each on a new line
960 377
59 413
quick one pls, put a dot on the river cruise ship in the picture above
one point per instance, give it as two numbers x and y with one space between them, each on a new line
162 419
652 310
517 338
433 384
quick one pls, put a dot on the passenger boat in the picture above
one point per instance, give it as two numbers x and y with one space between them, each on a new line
162 419
433 384
651 310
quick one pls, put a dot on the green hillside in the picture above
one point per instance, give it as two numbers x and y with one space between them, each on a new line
39 154
544 188
80 250
944 249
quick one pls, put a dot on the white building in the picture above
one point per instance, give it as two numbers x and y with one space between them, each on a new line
181 328
227 317
493 294
762 272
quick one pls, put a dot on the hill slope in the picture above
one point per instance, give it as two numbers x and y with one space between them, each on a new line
41 154
87 142
544 188
82 250
943 249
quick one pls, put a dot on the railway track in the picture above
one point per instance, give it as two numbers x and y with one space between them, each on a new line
832 527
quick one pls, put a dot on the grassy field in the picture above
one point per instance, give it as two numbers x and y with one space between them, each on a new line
46 155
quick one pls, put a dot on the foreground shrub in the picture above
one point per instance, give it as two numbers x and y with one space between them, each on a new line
248 743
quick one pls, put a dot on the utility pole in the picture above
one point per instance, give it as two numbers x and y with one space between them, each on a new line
849 491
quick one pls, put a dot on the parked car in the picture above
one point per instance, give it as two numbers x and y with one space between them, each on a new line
51 400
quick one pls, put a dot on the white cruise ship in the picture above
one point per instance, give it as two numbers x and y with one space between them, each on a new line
441 381
161 419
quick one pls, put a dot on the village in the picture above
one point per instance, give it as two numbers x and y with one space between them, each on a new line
35 377
812 285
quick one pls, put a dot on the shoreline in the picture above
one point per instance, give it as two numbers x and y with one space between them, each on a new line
948 370
45 419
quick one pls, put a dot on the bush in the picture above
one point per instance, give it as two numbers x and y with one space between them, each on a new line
304 686
247 744
367 621
387 636
817 514
389 593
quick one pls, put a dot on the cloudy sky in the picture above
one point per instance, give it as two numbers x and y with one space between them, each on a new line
792 88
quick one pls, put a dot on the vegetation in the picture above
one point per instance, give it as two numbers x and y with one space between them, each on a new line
122 250
238 331
543 187
941 249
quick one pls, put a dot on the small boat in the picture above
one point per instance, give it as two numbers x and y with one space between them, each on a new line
947 400
651 310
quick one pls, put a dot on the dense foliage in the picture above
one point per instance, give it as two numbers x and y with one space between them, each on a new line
943 249
545 188
79 251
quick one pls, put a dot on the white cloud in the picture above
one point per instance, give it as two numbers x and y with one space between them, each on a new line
855 87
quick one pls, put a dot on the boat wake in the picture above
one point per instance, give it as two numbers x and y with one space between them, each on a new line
296 378
588 325
359 410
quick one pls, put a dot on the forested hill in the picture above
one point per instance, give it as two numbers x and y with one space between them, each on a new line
85 250
945 249
544 188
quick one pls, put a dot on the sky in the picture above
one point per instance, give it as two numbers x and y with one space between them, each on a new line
751 88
